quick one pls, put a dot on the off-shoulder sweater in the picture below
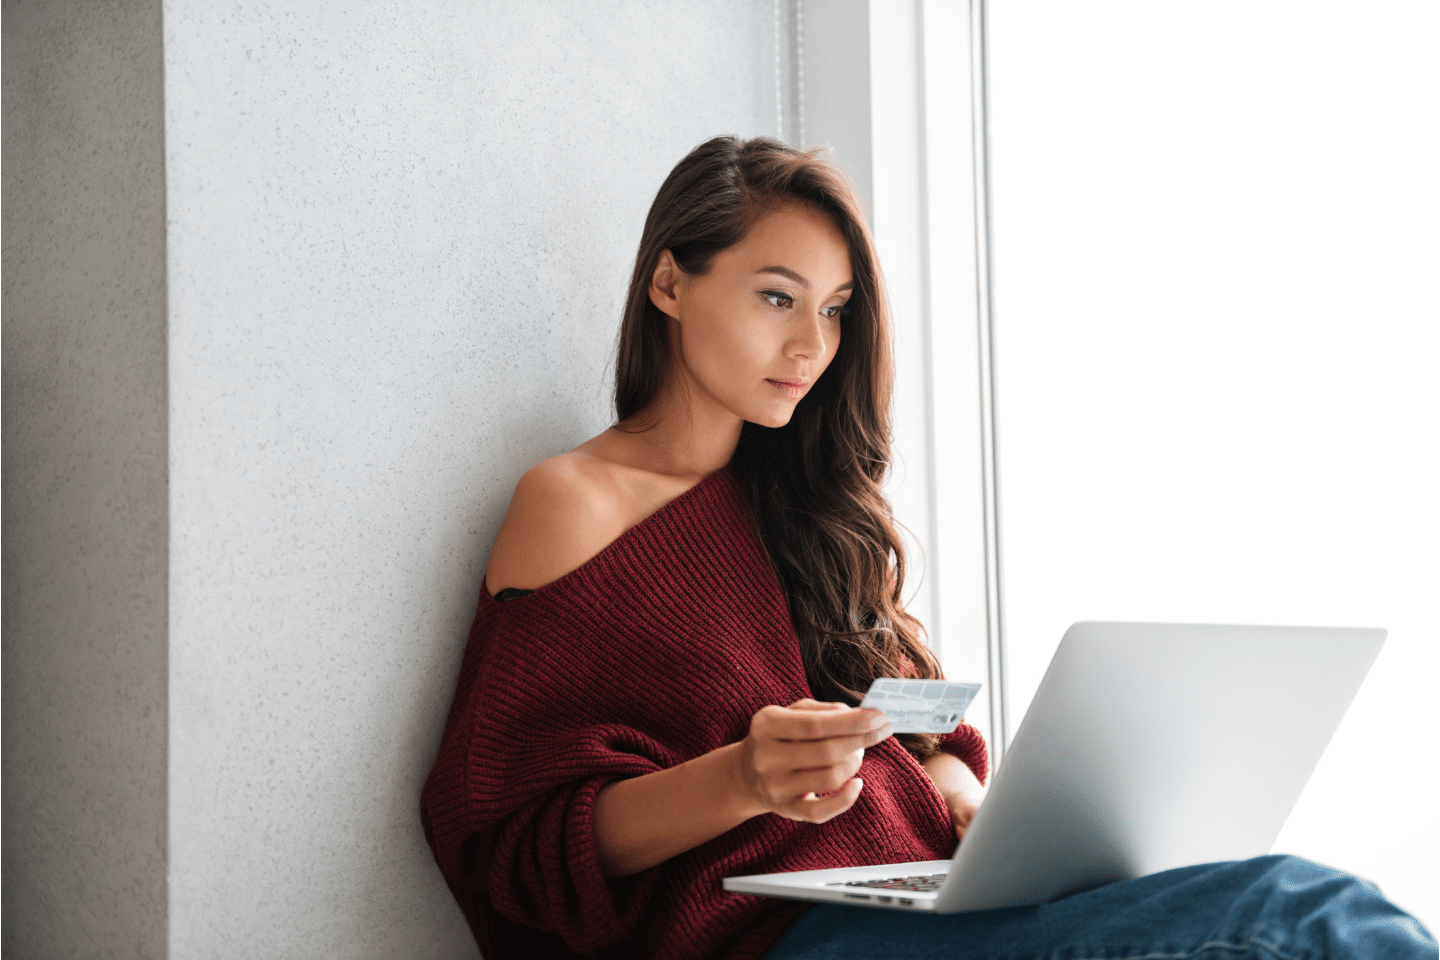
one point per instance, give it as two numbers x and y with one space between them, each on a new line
656 651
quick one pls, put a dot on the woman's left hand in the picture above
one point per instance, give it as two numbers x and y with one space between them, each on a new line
958 786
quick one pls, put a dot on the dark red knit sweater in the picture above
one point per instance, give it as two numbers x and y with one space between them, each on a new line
656 651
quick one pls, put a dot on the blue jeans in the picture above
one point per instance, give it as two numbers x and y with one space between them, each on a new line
1269 908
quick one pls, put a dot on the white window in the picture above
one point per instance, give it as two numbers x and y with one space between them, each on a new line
1217 333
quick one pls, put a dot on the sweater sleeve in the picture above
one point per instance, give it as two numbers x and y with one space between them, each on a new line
544 871
508 807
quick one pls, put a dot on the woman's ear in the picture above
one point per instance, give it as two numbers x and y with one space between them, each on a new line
664 285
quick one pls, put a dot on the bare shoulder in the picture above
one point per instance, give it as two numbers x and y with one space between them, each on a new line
563 512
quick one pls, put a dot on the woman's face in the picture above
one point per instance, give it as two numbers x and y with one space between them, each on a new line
758 329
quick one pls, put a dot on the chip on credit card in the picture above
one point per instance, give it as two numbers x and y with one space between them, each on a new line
920 706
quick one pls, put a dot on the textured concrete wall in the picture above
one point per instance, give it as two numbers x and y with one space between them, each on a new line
84 481
399 241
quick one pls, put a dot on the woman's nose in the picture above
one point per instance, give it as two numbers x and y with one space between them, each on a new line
808 341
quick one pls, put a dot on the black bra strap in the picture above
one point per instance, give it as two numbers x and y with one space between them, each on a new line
510 593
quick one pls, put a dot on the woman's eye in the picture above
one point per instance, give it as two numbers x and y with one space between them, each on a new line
772 296
836 312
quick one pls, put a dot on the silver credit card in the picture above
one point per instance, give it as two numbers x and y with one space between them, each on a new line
920 706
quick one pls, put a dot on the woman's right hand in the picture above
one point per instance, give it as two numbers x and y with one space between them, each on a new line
797 761
800 761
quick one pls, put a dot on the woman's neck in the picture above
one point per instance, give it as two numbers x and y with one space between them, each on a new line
679 436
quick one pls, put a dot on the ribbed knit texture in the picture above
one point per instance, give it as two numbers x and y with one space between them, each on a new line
656 651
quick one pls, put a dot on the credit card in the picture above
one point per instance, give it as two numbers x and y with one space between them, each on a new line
920 706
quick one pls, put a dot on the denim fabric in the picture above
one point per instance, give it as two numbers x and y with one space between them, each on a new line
1269 908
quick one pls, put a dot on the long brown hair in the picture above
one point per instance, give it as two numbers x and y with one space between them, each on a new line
813 485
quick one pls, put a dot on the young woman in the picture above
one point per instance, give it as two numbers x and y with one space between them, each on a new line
680 615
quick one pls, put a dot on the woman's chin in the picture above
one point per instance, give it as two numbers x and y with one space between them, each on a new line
773 418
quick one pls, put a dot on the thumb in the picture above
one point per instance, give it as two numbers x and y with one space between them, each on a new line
809 704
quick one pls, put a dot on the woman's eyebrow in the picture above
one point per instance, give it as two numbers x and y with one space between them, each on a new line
792 275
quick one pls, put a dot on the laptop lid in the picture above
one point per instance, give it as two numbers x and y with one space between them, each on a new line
1151 746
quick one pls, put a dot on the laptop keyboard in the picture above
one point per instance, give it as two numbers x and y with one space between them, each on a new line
925 884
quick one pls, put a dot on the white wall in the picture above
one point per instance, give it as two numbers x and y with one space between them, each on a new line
400 238
398 242
1217 321
84 481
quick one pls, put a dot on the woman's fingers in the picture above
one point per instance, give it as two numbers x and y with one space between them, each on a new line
800 761
811 720
817 809
783 787
779 760
814 754
962 813
819 778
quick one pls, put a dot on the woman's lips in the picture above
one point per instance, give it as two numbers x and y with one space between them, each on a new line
789 388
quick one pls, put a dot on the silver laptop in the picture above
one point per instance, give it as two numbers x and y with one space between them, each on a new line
1148 746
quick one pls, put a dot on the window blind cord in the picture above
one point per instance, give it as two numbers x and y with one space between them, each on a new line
800 71
779 99
799 55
